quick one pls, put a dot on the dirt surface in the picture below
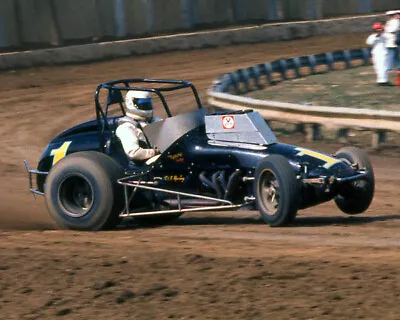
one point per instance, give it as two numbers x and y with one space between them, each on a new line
209 266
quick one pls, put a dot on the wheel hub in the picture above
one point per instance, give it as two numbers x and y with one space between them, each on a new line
269 192
76 196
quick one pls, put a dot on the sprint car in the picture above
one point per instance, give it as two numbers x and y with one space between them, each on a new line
208 161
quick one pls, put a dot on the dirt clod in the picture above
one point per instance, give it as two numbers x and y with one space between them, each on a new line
64 312
126 295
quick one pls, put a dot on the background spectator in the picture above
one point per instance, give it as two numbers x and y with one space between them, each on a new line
392 26
378 41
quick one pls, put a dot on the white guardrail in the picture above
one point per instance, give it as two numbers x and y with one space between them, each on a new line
310 118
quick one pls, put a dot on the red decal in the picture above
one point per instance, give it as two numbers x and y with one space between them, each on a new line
228 122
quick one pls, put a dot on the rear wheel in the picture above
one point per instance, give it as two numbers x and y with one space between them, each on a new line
357 195
82 193
276 190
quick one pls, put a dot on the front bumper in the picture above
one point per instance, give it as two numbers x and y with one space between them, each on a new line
33 189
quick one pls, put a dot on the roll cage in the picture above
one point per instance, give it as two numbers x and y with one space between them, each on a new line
114 96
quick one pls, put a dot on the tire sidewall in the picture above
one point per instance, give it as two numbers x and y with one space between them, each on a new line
101 186
361 199
357 156
287 206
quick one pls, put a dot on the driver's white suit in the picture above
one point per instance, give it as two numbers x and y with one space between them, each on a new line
132 138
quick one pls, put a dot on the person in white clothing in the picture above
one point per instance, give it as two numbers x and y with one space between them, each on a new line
139 113
379 54
392 26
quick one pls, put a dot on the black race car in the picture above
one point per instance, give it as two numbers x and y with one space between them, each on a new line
209 161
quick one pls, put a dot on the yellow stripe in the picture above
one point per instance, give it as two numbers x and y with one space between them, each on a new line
329 161
60 153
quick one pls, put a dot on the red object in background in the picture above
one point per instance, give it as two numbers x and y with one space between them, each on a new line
398 78
377 26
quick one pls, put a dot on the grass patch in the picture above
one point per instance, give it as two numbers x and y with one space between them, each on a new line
354 88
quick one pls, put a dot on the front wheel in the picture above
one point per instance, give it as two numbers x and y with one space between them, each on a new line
357 195
277 190
81 192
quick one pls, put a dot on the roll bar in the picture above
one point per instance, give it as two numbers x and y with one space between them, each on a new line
140 84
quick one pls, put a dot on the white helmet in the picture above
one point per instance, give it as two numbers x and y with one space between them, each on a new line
139 103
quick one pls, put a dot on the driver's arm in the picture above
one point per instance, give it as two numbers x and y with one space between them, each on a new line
127 134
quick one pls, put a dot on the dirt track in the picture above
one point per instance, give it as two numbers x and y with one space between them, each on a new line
211 266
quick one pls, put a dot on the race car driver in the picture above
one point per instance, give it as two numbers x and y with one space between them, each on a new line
392 27
139 113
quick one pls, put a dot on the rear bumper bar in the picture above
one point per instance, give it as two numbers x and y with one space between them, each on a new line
31 172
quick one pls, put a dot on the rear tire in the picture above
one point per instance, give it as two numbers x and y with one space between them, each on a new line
359 194
82 193
277 190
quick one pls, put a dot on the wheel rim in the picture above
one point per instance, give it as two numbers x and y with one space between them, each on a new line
76 196
269 192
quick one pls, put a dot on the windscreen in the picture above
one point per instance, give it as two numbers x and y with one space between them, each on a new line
164 133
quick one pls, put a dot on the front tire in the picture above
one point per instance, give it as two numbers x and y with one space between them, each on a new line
358 194
81 192
277 190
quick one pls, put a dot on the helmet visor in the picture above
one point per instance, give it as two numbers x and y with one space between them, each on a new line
143 104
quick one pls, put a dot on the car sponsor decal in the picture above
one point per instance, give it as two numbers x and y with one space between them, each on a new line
60 153
175 178
329 161
228 122
176 157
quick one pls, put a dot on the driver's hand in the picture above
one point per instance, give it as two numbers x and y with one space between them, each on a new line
152 159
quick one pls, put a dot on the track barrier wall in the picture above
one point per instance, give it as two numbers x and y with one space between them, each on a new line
31 24
185 41
226 90
248 10
9 35
77 19
38 23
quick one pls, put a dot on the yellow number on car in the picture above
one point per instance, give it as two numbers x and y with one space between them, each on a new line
329 161
60 153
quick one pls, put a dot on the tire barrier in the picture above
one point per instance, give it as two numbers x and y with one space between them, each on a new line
225 92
